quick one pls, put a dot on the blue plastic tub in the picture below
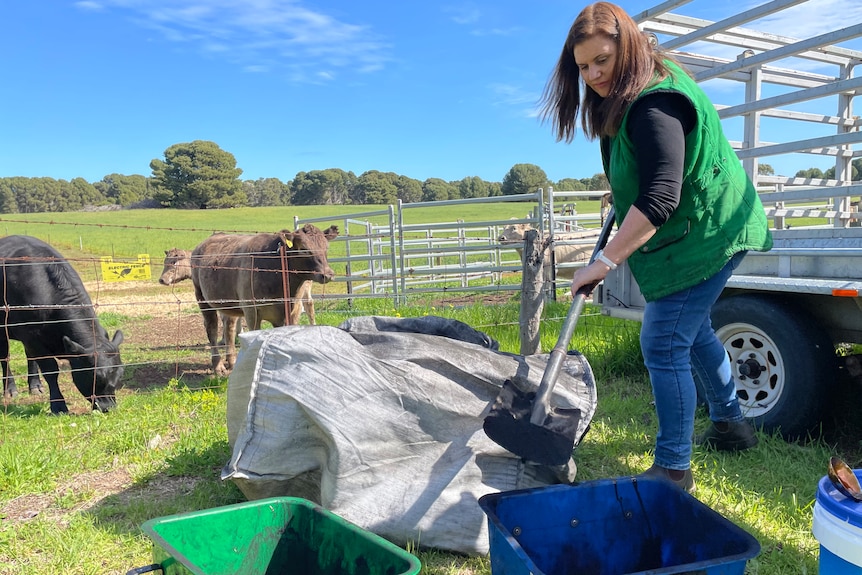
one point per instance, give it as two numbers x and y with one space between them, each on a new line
837 526
621 526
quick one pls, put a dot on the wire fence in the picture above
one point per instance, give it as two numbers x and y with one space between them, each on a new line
438 269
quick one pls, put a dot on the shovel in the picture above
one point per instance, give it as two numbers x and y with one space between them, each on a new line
523 422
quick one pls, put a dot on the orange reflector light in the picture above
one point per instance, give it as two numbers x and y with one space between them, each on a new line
845 293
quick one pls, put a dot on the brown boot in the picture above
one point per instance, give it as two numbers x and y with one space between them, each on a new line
681 478
728 436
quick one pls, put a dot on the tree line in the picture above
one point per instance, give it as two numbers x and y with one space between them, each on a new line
199 174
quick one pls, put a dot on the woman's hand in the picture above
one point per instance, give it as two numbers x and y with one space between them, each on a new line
590 275
635 230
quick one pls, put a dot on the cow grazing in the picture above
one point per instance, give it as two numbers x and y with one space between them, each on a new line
578 250
47 309
250 276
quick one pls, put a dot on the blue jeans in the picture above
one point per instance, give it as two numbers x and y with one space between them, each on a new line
677 340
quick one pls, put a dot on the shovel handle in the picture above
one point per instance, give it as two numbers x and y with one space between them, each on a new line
146 569
541 403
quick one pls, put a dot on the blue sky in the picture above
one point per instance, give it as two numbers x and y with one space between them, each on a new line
424 89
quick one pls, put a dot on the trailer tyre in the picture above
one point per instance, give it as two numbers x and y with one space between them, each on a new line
781 361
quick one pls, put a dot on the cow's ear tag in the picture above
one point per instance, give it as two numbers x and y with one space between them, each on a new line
288 243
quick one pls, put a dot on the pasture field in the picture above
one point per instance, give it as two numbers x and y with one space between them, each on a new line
84 237
75 489
127 233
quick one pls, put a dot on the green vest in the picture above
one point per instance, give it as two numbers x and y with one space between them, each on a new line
719 213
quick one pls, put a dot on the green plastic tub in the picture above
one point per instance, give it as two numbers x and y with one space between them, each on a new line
280 535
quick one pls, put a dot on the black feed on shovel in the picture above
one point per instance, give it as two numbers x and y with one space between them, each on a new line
524 422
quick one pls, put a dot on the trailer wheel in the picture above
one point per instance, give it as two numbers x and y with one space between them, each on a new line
780 359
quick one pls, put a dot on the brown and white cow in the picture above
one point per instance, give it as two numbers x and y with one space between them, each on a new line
255 277
570 247
178 267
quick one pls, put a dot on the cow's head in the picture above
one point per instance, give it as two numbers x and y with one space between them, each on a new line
306 252
514 234
178 266
97 371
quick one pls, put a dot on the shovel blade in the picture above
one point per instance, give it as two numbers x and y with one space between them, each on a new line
508 425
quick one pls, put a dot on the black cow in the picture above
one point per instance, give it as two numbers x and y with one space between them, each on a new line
47 308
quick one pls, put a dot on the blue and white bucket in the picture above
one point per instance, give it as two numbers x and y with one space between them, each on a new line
837 526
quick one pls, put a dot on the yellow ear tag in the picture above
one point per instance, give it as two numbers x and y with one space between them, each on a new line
288 243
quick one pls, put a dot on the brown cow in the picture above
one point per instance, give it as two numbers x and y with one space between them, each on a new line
246 276
178 267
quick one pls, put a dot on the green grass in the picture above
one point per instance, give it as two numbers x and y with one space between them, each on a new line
158 454
75 489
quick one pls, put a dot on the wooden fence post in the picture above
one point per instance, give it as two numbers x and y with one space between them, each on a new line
532 298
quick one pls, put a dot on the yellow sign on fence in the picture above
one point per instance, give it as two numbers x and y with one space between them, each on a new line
122 271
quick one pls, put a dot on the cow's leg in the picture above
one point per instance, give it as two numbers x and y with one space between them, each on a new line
229 327
309 309
10 390
295 312
51 371
306 305
211 324
252 318
34 383
302 301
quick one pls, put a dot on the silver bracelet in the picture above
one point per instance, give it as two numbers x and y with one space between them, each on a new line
601 257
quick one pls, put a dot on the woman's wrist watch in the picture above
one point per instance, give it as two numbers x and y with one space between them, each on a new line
601 257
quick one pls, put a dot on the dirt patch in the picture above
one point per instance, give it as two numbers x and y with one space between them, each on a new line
179 340
139 299
90 489
174 331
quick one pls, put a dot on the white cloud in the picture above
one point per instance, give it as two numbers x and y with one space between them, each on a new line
284 33
511 31
812 18
509 95
463 14
87 5
470 15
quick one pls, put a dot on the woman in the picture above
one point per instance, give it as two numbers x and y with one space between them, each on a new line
686 214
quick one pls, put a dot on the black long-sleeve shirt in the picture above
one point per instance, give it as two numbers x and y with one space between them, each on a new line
657 125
